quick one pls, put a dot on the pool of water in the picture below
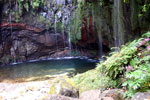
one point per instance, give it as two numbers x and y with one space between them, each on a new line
44 69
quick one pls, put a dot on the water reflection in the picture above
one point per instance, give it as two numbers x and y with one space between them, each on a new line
44 69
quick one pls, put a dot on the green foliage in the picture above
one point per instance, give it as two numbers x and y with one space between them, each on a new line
126 1
146 35
28 5
75 25
138 79
129 67
114 65
93 80
132 63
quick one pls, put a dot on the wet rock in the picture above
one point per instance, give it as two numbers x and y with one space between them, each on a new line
30 48
116 94
61 53
64 86
141 96
49 39
27 45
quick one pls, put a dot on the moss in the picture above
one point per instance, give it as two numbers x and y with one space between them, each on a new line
62 83
92 79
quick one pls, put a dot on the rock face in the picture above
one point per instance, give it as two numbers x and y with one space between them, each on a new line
39 36
141 96
26 45
34 36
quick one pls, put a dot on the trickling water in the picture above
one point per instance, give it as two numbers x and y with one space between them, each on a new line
69 38
10 19
10 22
55 27
118 23
97 17
100 45
134 14
63 29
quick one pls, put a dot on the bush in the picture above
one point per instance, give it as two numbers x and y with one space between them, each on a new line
130 68
114 65
138 75
132 63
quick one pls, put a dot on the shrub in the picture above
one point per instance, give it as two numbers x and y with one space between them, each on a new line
138 79
132 63
115 65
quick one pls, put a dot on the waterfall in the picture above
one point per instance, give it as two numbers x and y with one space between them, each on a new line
62 23
68 29
55 28
118 27
63 29
10 18
134 14
97 16
10 22
69 38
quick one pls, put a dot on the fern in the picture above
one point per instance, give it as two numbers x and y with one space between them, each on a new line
114 65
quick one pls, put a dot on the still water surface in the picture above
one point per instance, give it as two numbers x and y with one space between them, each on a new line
44 69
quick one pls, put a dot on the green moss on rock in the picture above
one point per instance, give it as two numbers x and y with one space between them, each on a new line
64 86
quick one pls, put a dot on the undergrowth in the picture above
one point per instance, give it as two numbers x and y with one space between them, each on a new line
128 68
92 80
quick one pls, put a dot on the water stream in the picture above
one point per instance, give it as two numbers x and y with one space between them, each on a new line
118 28
63 30
68 30
97 17
55 27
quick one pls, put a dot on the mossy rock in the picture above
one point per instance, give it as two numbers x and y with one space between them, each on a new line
64 86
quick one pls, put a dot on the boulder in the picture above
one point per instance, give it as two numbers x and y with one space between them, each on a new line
107 98
115 94
64 86
58 97
141 96
90 95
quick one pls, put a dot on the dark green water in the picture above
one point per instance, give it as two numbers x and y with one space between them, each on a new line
46 68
